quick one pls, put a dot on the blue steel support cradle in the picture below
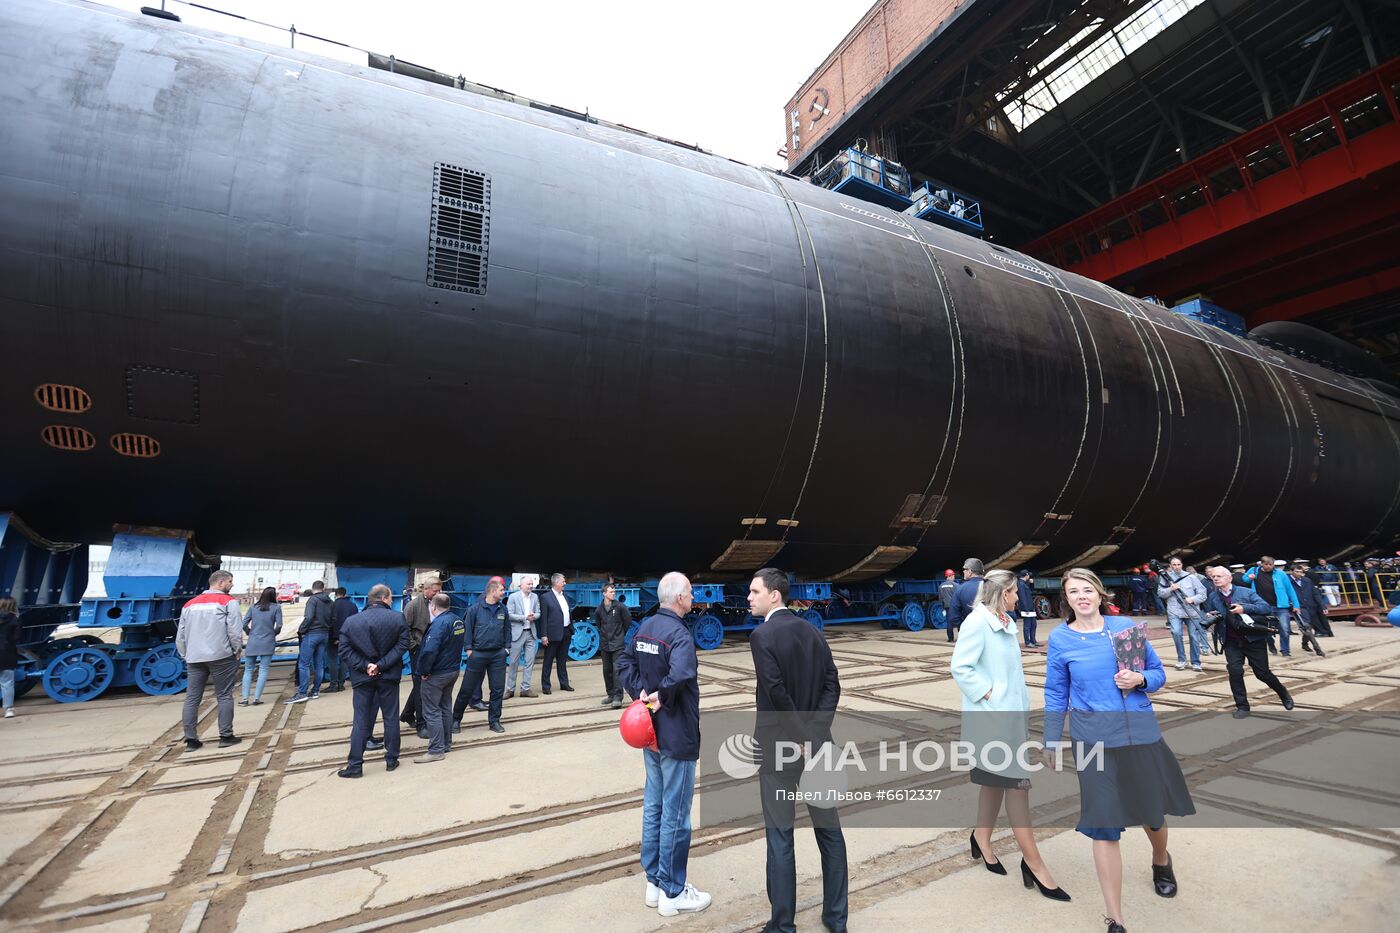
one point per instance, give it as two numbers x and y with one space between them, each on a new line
151 573
46 579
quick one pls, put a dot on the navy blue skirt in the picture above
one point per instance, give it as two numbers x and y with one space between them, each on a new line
1138 785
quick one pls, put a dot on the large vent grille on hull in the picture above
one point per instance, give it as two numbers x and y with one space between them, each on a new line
459 230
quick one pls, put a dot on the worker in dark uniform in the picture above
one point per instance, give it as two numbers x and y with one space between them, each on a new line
965 595
658 667
797 692
372 644
1025 607
486 643
613 619
439 660
946 589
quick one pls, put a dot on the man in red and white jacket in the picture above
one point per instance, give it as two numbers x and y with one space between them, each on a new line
210 639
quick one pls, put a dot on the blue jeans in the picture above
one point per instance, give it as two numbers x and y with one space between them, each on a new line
263 661
7 688
311 663
1283 629
666 820
1176 625
335 669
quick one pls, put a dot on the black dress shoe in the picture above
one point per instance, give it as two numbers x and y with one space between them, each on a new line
374 744
1241 714
1164 879
391 765
497 727
545 690
1287 701
1028 878
226 740
348 773
996 868
193 745
456 727
1114 926
479 707
566 688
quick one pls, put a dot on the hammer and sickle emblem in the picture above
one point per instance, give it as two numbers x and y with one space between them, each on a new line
820 100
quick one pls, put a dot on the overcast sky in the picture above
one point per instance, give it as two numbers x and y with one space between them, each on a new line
715 74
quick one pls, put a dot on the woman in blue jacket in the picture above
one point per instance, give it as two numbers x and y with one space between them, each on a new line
1136 780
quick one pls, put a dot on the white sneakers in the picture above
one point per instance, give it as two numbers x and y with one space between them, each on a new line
689 901
653 895
10 714
1181 665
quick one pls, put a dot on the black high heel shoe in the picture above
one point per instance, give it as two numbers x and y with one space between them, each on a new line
996 868
1028 878
1164 879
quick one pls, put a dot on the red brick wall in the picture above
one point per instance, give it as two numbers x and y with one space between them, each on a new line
884 38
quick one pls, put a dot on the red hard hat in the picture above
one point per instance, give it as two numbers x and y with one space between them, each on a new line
500 580
636 727
949 573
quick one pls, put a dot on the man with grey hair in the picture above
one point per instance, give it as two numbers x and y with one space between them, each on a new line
210 639
523 607
965 596
418 617
372 644
658 666
558 630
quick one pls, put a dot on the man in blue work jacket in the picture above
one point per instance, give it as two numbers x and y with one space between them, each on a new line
1275 588
658 667
486 643
439 661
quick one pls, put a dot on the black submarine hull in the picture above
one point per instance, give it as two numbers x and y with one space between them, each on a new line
372 319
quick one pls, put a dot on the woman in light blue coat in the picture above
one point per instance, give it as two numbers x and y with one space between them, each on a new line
262 623
996 705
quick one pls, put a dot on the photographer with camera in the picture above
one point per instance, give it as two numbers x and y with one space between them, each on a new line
1184 596
1246 619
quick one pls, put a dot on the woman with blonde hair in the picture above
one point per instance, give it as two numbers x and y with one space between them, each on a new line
987 669
1134 779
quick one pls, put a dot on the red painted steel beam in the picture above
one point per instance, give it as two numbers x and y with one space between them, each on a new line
1353 289
1345 163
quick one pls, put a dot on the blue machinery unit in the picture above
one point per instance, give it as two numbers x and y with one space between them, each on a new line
150 575
860 174
942 205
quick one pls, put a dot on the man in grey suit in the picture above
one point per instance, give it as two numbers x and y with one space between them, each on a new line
523 607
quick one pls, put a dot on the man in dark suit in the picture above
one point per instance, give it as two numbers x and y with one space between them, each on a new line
372 644
1229 602
798 689
558 630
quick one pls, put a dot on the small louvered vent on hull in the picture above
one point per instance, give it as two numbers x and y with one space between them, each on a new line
67 437
142 446
56 397
459 229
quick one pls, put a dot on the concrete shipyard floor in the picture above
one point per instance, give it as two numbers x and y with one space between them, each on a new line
108 824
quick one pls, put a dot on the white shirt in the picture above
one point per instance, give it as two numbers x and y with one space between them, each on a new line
771 611
563 604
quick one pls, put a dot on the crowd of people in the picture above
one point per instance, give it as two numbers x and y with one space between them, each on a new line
1137 782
